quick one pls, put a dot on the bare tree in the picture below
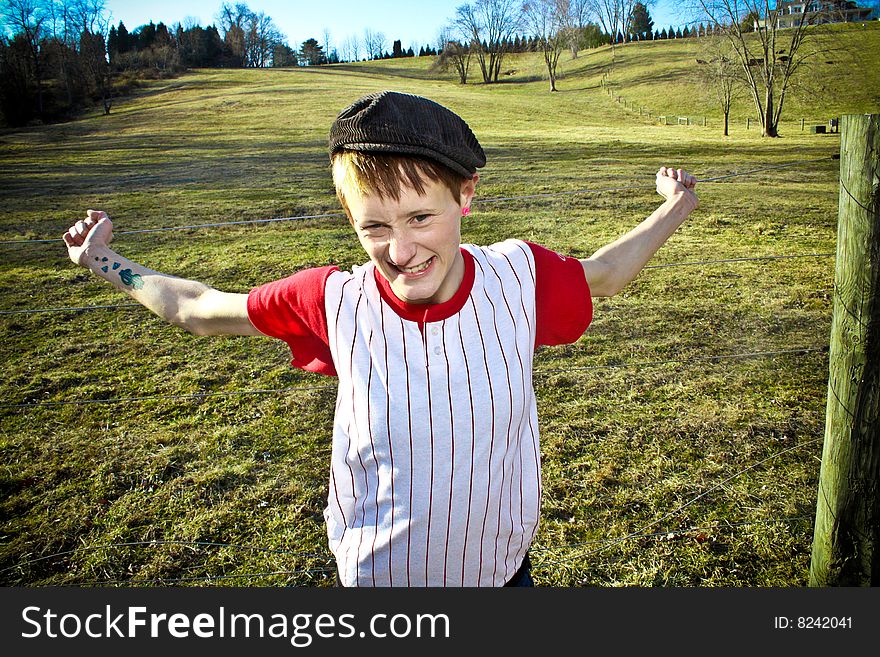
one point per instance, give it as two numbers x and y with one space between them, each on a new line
260 37
232 19
375 43
326 35
93 51
720 74
251 36
769 56
345 53
354 48
28 18
574 15
489 24
545 20
614 16
452 50
89 16
60 15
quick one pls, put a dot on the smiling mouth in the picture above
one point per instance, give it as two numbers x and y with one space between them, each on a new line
417 269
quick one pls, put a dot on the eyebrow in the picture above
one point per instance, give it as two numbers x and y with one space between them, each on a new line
383 222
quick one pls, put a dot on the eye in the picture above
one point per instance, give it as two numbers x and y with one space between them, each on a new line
421 218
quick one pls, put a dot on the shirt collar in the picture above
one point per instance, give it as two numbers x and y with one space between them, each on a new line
429 312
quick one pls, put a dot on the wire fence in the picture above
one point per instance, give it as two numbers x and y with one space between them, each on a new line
485 201
693 263
574 553
295 389
821 125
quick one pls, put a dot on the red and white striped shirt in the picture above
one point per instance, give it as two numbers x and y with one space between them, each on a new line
435 470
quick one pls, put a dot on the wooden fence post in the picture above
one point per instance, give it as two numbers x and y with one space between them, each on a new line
846 539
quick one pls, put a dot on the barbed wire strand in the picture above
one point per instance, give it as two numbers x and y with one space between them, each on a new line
750 259
677 510
858 202
666 532
698 359
224 393
153 543
329 557
195 395
499 199
205 578
31 311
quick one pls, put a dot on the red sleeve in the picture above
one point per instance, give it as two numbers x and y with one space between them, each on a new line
563 305
292 310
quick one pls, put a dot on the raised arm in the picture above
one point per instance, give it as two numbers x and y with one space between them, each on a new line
193 306
612 267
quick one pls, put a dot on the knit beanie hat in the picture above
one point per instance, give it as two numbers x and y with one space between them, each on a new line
392 122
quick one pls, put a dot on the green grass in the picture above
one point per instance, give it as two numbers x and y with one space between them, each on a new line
693 453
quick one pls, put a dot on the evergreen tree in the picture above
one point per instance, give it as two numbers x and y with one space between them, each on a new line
678 33
641 21
162 38
215 48
311 53
663 34
409 52
397 49
112 44
283 55
124 40
685 33
146 36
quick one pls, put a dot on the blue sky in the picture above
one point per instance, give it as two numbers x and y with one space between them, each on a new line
303 19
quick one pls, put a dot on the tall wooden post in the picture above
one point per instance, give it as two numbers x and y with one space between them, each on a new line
846 542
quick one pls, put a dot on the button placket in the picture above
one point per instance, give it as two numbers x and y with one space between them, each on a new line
434 333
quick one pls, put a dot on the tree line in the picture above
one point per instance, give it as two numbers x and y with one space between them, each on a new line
58 57
482 31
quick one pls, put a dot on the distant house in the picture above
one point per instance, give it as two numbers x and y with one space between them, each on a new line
790 13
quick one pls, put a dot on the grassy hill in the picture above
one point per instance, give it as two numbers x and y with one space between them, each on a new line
673 455
843 77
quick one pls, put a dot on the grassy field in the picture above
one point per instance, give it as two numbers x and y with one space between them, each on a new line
666 462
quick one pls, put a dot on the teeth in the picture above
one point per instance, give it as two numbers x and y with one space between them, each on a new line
417 268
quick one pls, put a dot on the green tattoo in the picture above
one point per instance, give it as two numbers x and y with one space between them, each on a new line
128 278
134 280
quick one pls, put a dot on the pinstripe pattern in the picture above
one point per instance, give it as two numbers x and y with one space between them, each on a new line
435 473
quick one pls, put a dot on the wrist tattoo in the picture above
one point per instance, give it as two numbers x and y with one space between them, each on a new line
128 278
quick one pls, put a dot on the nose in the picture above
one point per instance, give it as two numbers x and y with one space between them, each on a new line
401 248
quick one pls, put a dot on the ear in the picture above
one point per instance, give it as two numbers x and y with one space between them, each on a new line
468 188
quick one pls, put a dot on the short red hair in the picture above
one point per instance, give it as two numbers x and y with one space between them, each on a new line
385 175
